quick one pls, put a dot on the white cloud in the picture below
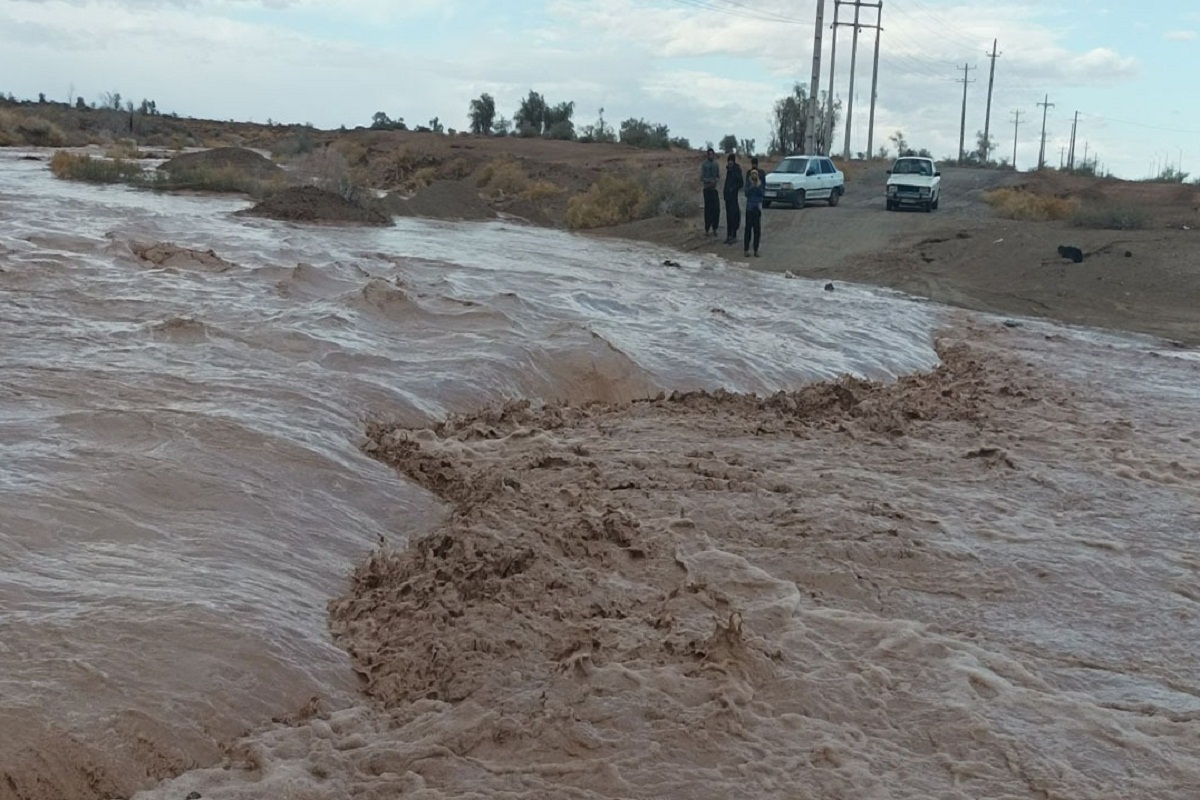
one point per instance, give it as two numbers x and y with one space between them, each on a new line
1180 36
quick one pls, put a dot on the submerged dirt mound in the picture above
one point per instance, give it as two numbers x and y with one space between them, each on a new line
453 200
311 204
245 161
165 254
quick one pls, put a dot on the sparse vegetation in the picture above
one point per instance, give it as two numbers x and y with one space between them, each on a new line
1109 215
610 201
1016 203
73 167
503 177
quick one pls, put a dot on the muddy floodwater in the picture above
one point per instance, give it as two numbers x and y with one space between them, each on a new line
970 572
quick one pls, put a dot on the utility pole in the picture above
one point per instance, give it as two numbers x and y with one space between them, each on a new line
850 99
857 25
1016 127
987 117
1062 153
1071 152
1046 106
829 92
810 128
875 82
962 130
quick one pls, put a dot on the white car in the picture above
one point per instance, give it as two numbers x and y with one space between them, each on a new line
914 181
798 179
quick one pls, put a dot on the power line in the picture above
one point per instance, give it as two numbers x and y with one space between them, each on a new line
740 11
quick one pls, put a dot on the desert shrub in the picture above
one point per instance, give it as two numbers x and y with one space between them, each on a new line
609 201
668 193
454 169
328 169
123 149
40 132
541 190
503 177
294 145
1109 215
1016 203
202 178
72 167
424 176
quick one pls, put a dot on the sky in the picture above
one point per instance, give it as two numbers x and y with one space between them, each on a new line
706 68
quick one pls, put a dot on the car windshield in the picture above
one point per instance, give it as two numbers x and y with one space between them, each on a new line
912 166
792 165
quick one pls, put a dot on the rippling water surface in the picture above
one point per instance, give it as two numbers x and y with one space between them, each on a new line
181 486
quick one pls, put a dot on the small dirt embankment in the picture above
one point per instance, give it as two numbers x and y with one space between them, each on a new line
314 205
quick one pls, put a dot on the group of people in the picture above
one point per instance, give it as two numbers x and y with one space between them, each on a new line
753 185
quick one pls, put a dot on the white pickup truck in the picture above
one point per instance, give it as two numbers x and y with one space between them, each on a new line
798 179
914 181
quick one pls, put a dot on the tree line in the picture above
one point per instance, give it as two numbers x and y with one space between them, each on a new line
536 117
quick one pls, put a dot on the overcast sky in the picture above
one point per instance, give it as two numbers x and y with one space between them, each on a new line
704 67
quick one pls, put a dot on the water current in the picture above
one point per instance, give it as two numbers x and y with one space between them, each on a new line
182 488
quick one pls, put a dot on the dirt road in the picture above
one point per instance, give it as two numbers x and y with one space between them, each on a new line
965 255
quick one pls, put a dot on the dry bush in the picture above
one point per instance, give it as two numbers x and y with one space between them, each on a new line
1016 203
454 169
503 177
610 201
1109 215
19 129
541 190
68 166
327 169
668 192
123 148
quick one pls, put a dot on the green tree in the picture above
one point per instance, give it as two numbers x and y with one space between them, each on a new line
501 127
436 125
640 133
483 114
746 147
790 124
380 121
557 119
598 132
728 143
530 118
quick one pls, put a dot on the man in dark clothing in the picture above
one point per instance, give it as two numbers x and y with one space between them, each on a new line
710 173
733 208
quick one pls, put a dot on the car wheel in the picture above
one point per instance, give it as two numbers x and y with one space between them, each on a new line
929 207
766 203
834 196
891 206
936 200
798 199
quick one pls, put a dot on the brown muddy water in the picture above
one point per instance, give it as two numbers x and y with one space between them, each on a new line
980 584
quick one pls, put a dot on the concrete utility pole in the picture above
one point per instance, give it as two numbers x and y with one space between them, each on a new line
987 117
1016 127
857 25
875 82
810 128
850 98
962 130
832 63
1071 151
1046 106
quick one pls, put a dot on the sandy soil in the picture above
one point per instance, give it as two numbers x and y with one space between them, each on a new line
313 205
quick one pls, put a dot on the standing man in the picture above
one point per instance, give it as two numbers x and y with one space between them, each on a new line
710 173
754 201
733 208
